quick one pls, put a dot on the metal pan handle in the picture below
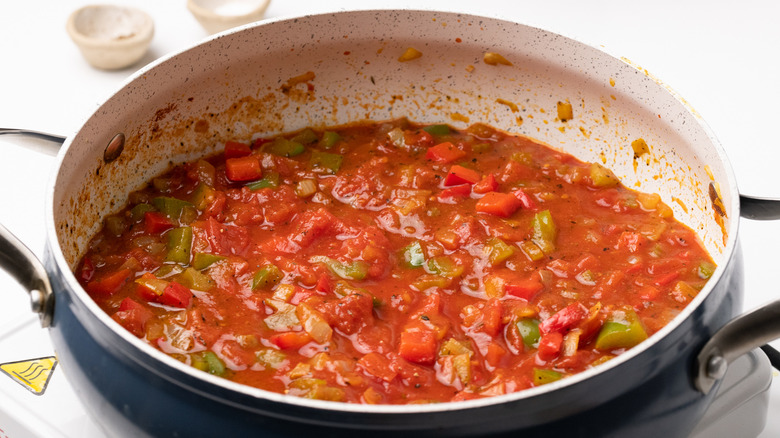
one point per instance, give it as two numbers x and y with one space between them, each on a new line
745 332
21 263
17 259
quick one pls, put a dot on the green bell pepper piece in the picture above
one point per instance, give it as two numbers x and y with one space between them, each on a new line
137 212
444 266
529 331
437 130
543 377
329 139
326 160
307 136
356 270
202 196
270 180
545 231
179 245
215 364
268 276
171 207
706 269
203 260
285 148
623 329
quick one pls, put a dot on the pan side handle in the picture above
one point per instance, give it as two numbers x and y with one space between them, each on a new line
764 209
21 263
15 257
739 336
746 332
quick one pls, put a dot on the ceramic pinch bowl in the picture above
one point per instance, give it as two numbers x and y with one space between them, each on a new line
218 15
111 37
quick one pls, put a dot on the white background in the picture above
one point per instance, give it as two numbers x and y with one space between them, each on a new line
721 56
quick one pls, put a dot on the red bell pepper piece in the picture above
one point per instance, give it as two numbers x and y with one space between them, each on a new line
461 175
450 193
525 289
494 354
418 344
526 201
323 284
564 319
378 366
156 222
133 316
87 270
243 169
486 184
491 317
444 153
550 345
234 149
290 340
176 295
498 204
109 284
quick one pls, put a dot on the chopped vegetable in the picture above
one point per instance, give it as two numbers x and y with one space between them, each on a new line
529 330
203 196
413 255
171 207
179 245
329 139
270 180
497 250
214 363
418 345
267 277
307 136
486 184
444 153
444 266
543 376
438 130
623 329
194 279
565 111
545 231
306 188
110 284
330 163
243 169
176 295
234 149
498 204
356 270
203 260
285 148
461 175
602 177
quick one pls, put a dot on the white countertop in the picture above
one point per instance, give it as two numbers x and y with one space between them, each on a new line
722 57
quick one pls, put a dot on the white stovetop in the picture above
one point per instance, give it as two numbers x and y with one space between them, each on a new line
722 56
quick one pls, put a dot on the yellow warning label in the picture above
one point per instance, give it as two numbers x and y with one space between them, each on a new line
33 374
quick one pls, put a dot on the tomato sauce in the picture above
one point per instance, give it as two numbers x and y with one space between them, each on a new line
393 263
